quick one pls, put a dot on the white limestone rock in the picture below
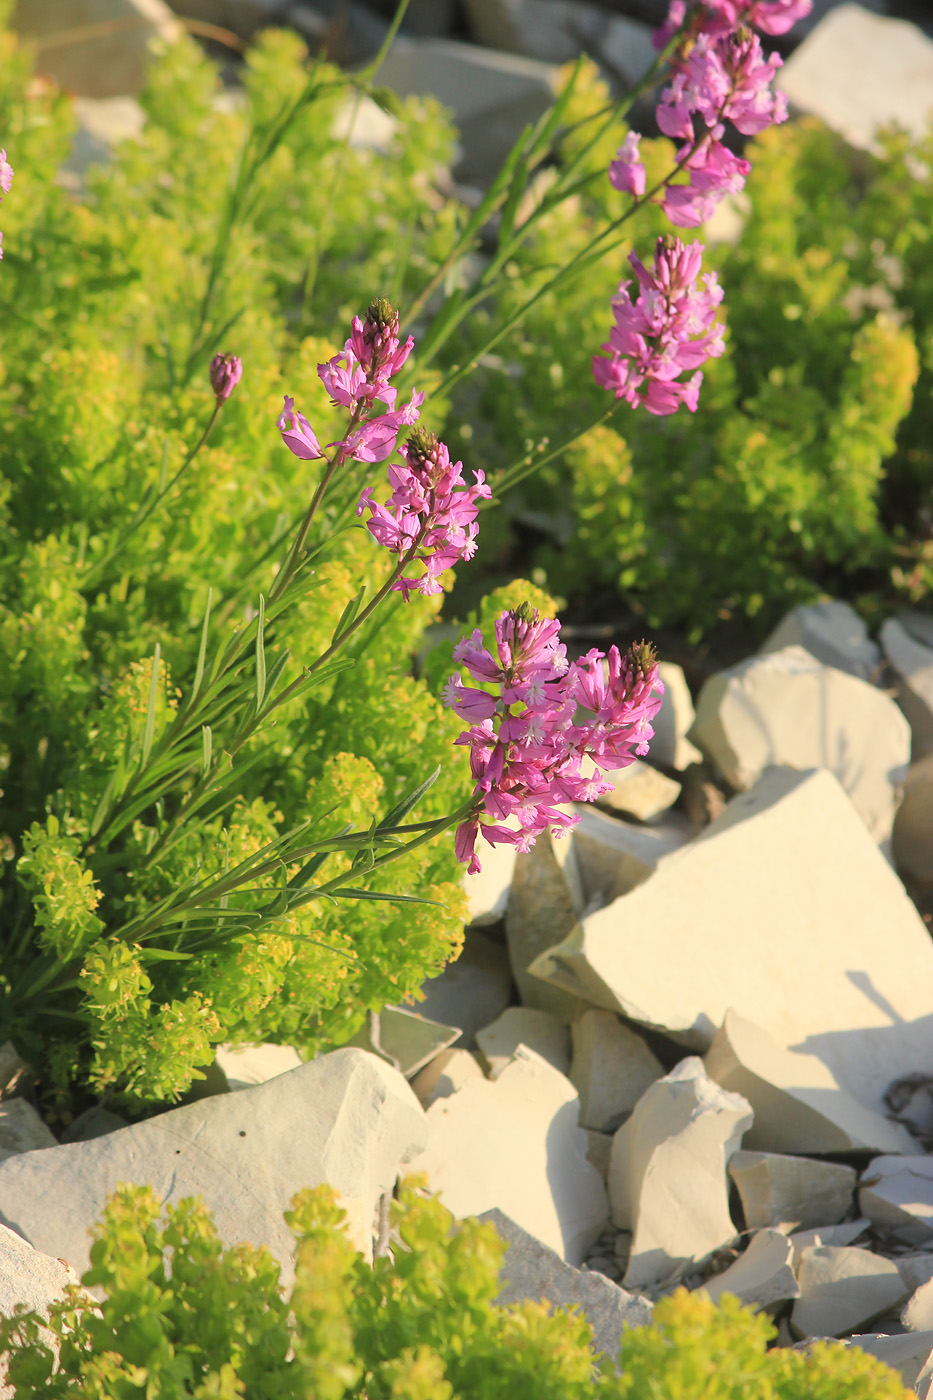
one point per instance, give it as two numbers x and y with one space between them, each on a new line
917 1313
545 901
487 891
523 1025
787 708
910 1355
846 1233
31 1278
640 791
246 1065
471 991
786 879
613 856
12 1068
531 1270
912 839
671 724
832 632
916 1267
799 1105
667 1174
599 1151
21 1128
611 1069
514 1144
913 663
858 71
405 1039
843 1288
346 1118
557 30
112 58
445 1075
761 1276
897 1195
792 1192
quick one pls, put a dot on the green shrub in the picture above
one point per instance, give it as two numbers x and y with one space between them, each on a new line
183 1316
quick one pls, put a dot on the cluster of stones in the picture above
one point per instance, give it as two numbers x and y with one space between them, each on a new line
651 1014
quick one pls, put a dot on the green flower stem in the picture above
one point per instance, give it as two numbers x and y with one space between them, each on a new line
532 461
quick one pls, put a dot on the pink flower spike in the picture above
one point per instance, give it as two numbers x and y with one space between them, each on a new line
626 172
297 433
226 372
6 173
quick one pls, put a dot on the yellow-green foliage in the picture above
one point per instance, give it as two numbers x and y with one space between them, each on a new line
182 1316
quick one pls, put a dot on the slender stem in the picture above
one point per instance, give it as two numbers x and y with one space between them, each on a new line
531 462
368 73
286 573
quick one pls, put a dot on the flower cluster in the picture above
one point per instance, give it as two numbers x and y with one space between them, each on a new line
531 748
356 380
668 331
430 518
226 373
6 184
719 74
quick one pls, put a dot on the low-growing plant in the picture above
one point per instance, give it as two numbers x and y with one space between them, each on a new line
182 1316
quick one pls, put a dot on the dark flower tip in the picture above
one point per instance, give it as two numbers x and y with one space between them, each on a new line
641 656
526 613
421 448
381 317
226 372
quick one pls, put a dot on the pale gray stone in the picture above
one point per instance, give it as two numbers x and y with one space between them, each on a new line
913 664
917 1313
778 1189
910 1355
787 878
21 1128
245 1065
112 59
916 1267
671 724
834 633
12 1068
912 838
515 1143
558 30
640 791
897 1195
858 71
787 708
30 1278
613 856
544 905
405 1039
524 1025
346 1118
471 991
843 1288
799 1104
667 1175
611 1069
445 1075
761 1276
846 1233
599 1150
531 1270
487 891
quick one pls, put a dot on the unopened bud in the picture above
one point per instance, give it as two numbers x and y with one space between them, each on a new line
641 657
421 448
381 321
226 371
526 613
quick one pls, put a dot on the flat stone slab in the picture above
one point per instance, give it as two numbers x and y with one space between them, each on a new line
671 724
346 1118
913 663
763 1275
21 1128
795 1192
667 1173
897 1195
799 1104
611 1069
858 71
31 1278
245 1065
524 1025
640 791
787 708
545 901
833 632
531 1270
910 1355
405 1039
784 910
445 1075
471 991
613 856
487 891
843 1288
514 1143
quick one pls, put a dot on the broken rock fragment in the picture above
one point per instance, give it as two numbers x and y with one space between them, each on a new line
761 1276
832 632
912 840
445 1075
515 1143
780 1190
897 1195
612 1067
667 1174
799 1105
842 1289
472 990
913 663
523 1025
786 879
671 724
613 856
787 708
544 904
640 791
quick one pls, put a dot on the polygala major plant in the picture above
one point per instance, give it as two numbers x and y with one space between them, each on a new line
194 856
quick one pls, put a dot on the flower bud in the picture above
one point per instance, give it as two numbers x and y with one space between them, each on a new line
226 371
421 449
381 321
641 657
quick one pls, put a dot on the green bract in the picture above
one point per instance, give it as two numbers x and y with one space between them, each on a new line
182 1316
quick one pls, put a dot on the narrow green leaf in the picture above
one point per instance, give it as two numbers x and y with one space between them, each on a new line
202 651
149 731
349 614
348 893
278 666
151 955
407 803
260 655
206 746
103 806
326 673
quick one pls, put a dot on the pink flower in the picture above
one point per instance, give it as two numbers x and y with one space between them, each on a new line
626 172
6 174
226 372
430 518
297 433
527 756
668 330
